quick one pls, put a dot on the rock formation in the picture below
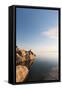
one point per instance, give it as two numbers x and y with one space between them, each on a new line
24 60
21 73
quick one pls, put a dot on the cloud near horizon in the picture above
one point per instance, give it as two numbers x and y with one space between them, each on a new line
51 33
49 52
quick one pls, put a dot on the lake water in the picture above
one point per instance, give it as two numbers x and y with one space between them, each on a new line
42 68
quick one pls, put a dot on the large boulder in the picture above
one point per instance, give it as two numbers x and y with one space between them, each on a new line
21 73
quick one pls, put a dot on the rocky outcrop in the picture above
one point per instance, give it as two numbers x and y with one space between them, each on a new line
24 57
24 60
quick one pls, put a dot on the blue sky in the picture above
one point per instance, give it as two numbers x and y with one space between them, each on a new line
37 29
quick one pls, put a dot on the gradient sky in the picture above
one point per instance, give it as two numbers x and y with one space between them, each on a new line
37 29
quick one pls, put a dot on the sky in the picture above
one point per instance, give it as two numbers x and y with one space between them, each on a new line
37 29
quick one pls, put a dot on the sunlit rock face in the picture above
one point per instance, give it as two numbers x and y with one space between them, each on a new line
24 57
24 60
21 73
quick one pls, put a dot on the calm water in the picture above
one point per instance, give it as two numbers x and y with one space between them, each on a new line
41 68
